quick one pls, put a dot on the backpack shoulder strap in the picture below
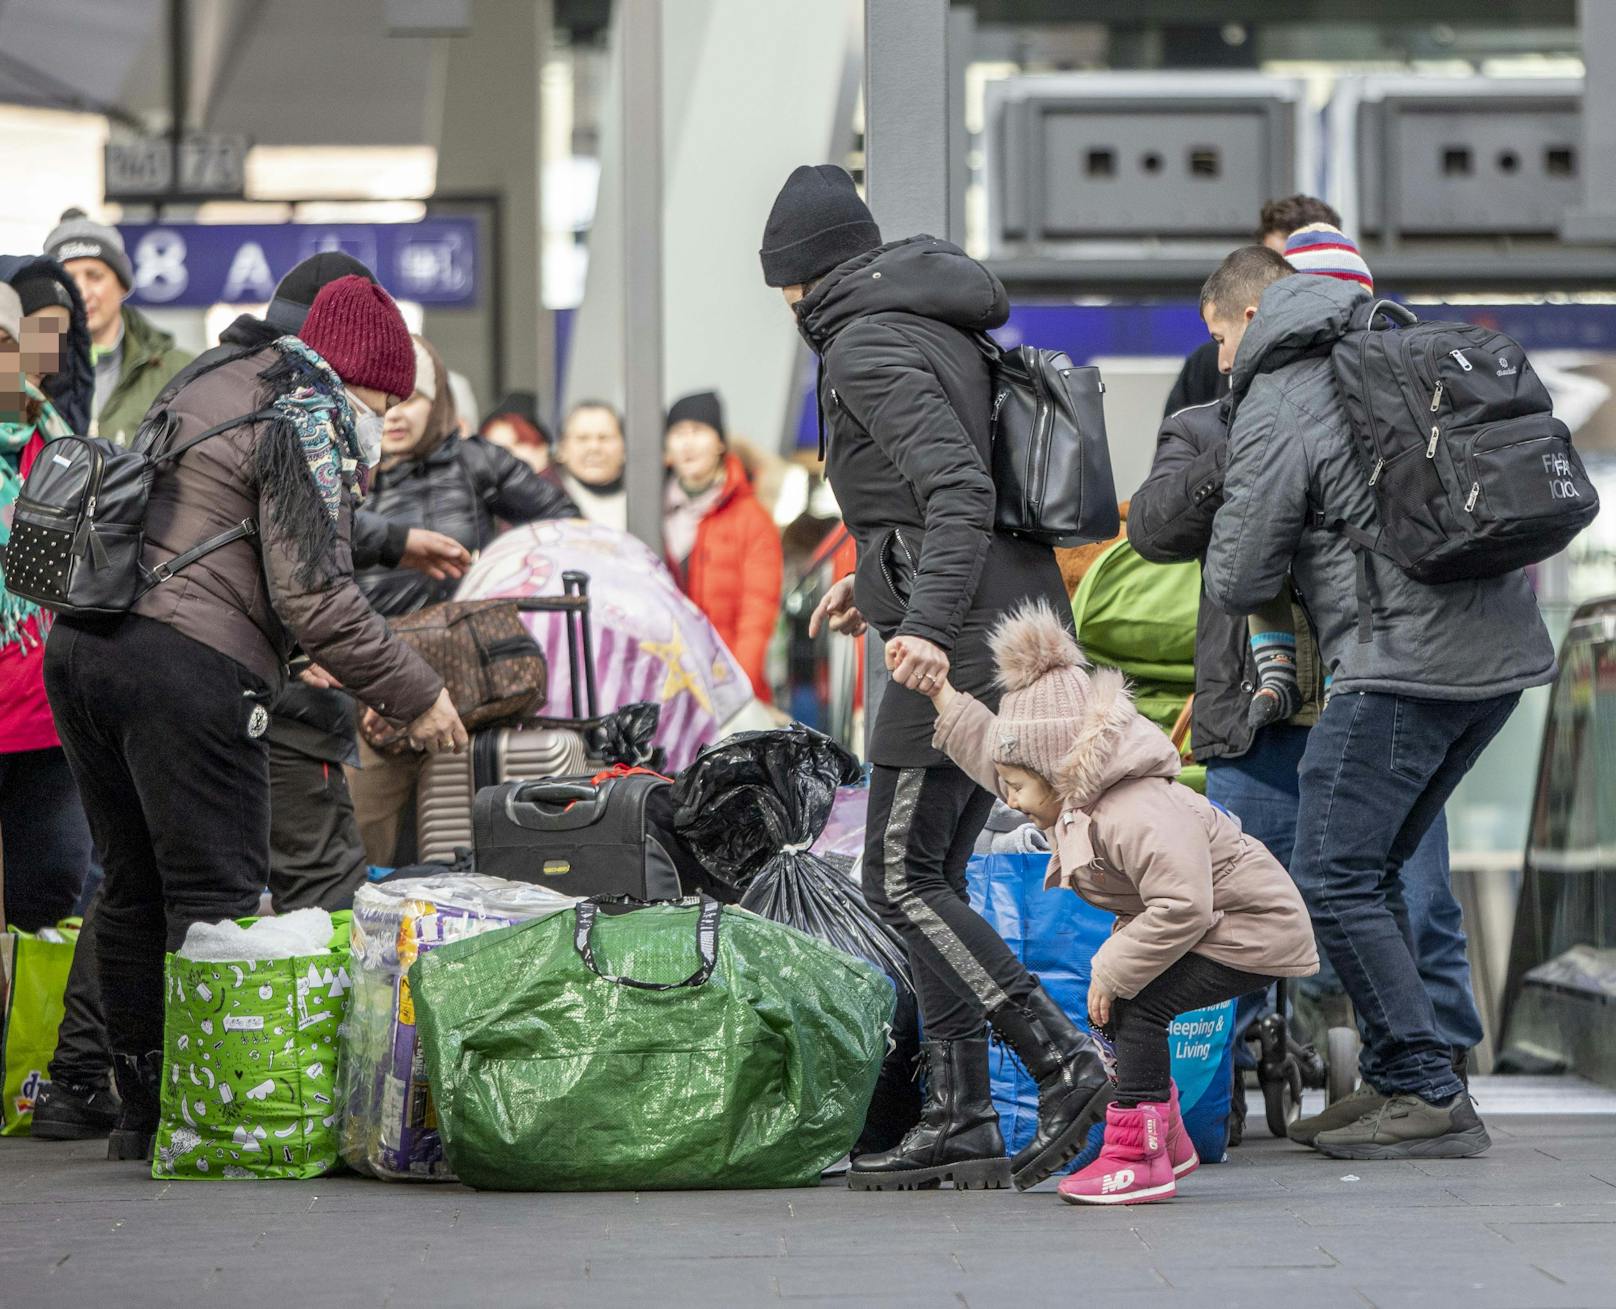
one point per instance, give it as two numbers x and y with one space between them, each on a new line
245 528
241 420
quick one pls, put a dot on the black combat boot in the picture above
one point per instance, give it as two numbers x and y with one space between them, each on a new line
74 1111
1073 1090
957 1138
139 1077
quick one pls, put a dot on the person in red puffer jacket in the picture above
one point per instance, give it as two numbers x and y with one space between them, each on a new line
45 836
720 541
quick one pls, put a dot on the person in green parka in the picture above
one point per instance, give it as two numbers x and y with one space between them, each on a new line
134 358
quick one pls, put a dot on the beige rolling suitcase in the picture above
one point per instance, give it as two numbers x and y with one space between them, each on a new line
449 782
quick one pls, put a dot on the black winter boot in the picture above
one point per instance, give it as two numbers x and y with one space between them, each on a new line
74 1111
1073 1090
139 1078
957 1138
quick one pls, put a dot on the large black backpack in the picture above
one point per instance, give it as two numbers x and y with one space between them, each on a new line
79 527
1051 462
1472 473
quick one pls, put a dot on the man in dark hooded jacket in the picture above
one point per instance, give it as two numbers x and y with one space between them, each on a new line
905 398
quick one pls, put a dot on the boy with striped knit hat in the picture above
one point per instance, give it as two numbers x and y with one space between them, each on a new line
1324 251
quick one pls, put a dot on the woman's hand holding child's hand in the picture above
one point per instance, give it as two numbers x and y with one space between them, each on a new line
1099 1004
917 664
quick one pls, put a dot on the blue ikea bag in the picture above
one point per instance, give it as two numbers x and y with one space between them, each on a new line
1055 934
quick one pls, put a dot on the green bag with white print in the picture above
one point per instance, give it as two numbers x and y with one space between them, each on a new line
250 1065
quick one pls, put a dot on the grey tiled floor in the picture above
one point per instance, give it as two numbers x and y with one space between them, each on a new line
1532 1224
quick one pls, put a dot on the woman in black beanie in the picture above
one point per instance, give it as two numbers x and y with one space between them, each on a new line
904 401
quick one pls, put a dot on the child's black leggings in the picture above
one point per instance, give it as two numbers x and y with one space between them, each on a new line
1138 1027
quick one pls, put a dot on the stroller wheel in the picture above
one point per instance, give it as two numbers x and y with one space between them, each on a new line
1237 1109
1342 1045
1282 1101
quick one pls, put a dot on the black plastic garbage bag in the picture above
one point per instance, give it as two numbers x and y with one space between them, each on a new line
625 737
748 809
745 799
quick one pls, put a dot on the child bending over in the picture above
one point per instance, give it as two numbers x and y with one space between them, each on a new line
1204 912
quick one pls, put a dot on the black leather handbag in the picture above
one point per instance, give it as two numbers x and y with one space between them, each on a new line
580 836
1051 463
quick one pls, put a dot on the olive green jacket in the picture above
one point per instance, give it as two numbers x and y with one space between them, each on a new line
150 360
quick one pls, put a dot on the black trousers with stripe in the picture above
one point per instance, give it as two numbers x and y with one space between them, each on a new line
922 825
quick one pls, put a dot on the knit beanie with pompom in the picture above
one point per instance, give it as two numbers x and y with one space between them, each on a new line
1046 690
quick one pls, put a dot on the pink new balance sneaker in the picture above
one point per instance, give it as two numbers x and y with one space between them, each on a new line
1133 1166
1180 1149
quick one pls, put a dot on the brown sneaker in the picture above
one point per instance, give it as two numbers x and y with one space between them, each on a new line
1343 1113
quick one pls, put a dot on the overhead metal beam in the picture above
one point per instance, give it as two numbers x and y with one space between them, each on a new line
906 158
906 104
1595 219
640 30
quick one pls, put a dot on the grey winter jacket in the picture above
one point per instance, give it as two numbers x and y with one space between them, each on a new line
1292 463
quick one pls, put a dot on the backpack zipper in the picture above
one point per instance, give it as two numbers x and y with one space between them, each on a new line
1037 456
1475 493
1369 412
1430 449
1458 357
1436 397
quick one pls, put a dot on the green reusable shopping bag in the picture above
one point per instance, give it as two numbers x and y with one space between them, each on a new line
672 1046
250 1065
1140 617
33 1013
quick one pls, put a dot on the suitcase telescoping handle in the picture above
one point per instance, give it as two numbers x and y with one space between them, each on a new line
574 604
706 946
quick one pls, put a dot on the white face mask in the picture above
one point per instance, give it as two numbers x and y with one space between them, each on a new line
368 428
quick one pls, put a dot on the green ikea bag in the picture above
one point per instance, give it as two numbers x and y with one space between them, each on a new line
1140 617
250 1065
40 962
672 1046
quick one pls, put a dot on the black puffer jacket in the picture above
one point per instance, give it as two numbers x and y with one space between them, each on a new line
464 489
1170 521
904 400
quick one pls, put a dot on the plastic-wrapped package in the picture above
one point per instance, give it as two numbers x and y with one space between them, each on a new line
389 1125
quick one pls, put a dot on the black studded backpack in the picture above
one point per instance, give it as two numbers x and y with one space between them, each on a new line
79 526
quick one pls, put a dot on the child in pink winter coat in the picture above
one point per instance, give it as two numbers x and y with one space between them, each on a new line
1204 912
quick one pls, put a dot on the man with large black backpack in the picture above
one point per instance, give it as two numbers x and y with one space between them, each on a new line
1330 481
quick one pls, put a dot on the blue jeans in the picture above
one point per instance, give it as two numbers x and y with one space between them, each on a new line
1375 775
1261 789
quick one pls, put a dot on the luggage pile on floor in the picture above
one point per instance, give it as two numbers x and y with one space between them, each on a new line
568 1016
592 1009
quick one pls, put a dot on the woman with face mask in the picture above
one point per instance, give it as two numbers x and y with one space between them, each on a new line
163 713
431 477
